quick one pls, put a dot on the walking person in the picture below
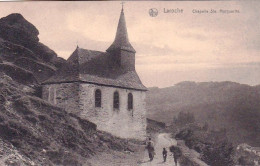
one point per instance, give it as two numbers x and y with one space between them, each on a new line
150 148
164 153
175 157
176 152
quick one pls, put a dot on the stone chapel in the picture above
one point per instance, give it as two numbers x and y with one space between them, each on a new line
103 87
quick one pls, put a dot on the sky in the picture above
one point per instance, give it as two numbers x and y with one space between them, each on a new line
171 47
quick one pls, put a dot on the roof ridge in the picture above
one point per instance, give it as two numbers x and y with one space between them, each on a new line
91 50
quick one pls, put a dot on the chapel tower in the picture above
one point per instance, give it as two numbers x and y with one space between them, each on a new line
121 52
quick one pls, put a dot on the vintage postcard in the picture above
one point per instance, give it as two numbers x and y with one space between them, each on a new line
130 83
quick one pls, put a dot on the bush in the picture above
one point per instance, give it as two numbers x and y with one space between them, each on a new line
176 150
212 145
243 160
218 154
184 118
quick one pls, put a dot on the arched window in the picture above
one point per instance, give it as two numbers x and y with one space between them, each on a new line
98 98
130 101
116 100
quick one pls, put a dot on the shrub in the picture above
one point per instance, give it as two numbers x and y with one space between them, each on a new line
217 154
184 118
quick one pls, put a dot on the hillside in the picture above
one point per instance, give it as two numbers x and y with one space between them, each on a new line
37 132
33 131
229 105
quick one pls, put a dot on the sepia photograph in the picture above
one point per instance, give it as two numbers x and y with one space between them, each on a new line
130 83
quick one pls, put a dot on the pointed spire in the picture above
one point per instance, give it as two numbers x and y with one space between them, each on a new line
122 5
121 41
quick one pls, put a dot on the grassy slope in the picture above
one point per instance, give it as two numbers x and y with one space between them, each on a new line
47 134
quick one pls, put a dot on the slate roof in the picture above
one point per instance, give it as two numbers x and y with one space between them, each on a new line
92 67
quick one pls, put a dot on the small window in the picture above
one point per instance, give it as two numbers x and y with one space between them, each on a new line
130 101
98 98
116 100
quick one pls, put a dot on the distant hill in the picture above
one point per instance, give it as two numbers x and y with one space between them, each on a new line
229 105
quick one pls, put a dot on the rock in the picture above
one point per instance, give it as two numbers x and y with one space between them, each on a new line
18 74
5 78
58 62
16 29
2 99
19 44
10 51
9 156
43 52
41 71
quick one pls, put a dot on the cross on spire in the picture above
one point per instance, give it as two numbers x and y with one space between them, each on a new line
77 44
122 3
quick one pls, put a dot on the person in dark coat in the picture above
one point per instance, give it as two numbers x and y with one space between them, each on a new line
176 152
164 153
150 148
175 157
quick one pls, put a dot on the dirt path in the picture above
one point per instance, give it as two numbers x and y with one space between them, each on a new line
163 140
139 158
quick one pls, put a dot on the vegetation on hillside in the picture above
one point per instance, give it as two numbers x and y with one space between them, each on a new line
219 105
47 134
214 147
247 155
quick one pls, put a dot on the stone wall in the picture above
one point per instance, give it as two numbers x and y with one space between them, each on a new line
120 122
189 156
65 95
80 99
127 60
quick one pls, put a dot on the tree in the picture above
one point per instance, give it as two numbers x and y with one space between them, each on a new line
184 118
217 154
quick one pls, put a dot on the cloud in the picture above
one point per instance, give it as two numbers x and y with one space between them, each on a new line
91 27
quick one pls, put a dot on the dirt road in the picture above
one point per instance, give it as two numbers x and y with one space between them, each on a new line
163 140
141 158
